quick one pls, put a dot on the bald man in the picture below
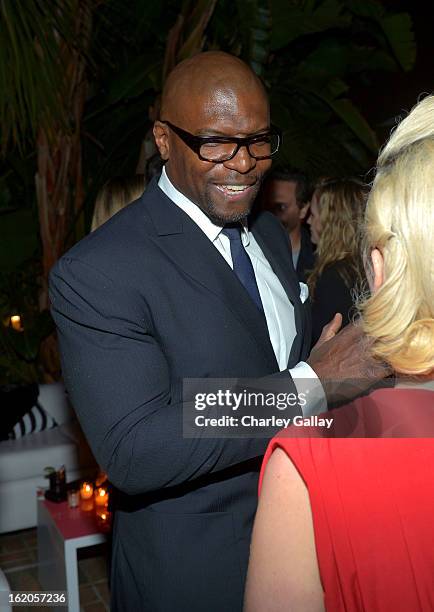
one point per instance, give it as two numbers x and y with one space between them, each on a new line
186 283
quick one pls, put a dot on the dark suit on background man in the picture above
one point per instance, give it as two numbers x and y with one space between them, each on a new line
306 258
138 310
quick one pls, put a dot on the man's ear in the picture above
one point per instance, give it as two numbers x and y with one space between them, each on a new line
161 135
378 269
303 211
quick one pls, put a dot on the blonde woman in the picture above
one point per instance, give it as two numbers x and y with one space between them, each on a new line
347 524
115 194
336 214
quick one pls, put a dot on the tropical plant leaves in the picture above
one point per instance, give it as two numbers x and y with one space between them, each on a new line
398 31
352 117
196 16
396 28
31 71
311 41
133 79
291 21
319 48
255 31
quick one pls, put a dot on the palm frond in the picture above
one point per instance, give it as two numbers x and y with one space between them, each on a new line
33 39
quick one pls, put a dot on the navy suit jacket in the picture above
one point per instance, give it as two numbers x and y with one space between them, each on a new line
140 304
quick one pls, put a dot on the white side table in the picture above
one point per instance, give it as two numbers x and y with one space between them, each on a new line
4 588
61 532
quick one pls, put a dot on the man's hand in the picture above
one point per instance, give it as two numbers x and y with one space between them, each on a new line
344 363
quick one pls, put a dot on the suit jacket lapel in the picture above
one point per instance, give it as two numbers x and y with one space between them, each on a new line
191 250
288 278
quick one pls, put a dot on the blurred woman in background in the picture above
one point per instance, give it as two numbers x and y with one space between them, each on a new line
114 195
347 524
336 214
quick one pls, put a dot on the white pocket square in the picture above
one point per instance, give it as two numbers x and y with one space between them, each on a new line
304 292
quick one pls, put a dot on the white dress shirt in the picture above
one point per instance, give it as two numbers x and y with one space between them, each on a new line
278 310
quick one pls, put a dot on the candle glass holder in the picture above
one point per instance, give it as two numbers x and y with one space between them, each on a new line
86 490
101 497
86 496
73 498
103 519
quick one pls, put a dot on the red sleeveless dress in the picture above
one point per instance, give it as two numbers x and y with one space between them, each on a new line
372 500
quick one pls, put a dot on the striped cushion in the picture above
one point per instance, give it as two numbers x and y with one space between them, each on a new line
36 419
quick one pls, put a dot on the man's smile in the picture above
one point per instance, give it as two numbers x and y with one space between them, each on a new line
235 192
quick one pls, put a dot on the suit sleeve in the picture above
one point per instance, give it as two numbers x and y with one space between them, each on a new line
119 383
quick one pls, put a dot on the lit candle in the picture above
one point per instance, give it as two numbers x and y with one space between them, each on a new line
103 519
86 495
101 497
16 323
86 490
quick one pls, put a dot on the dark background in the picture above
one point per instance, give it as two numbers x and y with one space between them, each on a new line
79 88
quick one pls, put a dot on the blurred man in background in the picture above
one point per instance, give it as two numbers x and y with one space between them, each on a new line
287 195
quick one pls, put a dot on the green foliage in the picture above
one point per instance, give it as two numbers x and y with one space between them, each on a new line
294 20
31 73
394 29
319 48
116 120
308 53
19 350
255 28
191 21
18 236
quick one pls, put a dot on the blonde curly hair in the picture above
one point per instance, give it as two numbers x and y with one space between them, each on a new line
341 205
399 221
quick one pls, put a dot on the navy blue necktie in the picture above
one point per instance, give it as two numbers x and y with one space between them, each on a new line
242 265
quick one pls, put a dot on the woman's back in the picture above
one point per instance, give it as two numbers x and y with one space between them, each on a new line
333 294
372 501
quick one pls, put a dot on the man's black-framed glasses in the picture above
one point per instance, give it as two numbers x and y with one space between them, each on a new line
219 149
